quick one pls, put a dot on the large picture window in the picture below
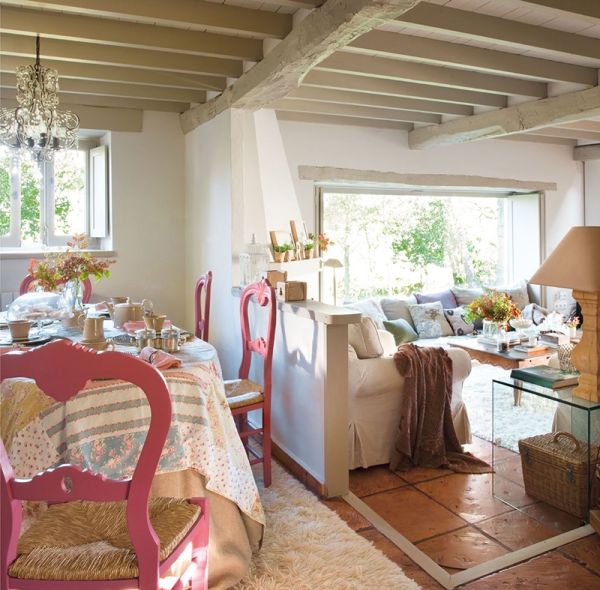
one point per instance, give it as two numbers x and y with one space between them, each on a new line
395 244
42 204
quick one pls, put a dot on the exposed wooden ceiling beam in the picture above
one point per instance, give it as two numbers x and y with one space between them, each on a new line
71 100
88 29
378 100
119 89
120 56
474 25
103 118
568 133
360 112
532 138
80 71
589 8
583 125
393 69
187 14
323 31
528 116
335 120
405 89
587 152
433 51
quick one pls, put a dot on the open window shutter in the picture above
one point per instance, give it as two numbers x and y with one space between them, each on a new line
99 192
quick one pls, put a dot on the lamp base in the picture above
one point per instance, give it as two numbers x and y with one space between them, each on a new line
586 354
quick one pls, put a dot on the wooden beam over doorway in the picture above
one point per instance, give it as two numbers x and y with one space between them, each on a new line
326 29
527 116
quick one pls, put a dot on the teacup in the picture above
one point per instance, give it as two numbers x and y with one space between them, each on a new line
19 329
99 344
154 322
93 328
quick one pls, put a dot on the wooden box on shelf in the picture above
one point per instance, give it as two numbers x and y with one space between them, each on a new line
275 276
291 291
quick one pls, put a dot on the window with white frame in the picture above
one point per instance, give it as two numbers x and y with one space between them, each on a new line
42 204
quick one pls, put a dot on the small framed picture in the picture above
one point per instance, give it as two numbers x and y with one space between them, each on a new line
299 232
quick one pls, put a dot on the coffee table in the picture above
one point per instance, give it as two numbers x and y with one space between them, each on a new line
511 359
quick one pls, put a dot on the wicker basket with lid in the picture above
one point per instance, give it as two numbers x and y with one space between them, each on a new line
556 470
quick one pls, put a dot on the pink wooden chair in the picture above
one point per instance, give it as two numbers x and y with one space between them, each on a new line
28 283
243 394
118 537
202 319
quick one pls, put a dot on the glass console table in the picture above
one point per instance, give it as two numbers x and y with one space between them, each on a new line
543 411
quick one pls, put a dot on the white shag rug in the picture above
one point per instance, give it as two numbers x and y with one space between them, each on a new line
534 416
309 547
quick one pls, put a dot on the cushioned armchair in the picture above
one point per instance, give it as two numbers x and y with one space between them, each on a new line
375 389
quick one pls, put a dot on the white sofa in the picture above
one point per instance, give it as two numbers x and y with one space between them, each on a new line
374 393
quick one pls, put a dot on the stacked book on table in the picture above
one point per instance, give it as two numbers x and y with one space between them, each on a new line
546 376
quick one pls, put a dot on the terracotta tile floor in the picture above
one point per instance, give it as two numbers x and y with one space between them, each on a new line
455 519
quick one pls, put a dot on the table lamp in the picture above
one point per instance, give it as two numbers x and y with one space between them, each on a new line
575 264
335 264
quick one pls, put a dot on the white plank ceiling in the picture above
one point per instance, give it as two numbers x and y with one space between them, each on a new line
441 61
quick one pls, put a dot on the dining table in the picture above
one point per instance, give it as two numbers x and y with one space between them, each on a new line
103 429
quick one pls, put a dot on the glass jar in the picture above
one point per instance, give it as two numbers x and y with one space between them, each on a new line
145 338
254 261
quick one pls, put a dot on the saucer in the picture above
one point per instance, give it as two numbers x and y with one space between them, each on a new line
31 341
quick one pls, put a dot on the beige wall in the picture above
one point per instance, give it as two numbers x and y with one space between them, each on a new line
147 218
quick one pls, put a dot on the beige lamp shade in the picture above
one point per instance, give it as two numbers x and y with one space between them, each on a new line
333 263
574 263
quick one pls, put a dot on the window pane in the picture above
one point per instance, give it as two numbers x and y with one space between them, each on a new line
399 244
5 170
69 192
31 178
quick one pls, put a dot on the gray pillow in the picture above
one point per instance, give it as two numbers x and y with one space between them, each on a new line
518 293
401 330
446 298
465 296
429 320
397 308
456 319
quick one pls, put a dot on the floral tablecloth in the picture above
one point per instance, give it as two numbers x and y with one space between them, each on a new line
104 426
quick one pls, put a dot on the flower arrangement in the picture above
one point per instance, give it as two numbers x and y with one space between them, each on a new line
323 241
572 322
72 264
493 306
282 252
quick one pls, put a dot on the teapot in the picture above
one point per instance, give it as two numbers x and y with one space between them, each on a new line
127 312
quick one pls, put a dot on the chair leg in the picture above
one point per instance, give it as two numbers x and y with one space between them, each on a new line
267 448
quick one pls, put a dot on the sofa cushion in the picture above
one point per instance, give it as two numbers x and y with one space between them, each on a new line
370 308
396 308
364 339
429 320
401 330
456 319
464 296
446 298
518 293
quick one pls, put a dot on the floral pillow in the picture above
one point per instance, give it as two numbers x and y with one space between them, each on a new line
429 320
456 319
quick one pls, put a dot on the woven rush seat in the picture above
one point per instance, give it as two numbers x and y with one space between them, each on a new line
243 392
89 540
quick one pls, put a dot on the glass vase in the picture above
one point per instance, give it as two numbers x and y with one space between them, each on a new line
491 328
73 294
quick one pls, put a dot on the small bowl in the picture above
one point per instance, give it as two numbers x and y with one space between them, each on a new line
520 324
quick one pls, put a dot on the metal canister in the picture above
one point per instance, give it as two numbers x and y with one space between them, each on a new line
145 338
171 339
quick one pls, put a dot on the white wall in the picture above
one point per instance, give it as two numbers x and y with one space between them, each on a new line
387 150
147 218
592 192
208 232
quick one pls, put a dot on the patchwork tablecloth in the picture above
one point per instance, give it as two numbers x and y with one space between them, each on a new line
104 426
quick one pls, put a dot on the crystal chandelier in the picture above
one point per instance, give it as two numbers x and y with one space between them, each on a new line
37 127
